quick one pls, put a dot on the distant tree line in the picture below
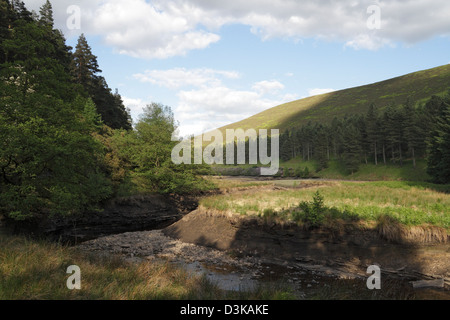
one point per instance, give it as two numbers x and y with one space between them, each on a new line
383 136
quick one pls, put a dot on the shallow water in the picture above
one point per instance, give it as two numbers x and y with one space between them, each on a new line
307 284
224 277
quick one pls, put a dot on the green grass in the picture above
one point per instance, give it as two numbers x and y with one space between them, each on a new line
410 203
366 172
323 108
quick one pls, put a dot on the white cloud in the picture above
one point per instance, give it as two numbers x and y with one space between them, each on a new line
264 87
206 101
141 29
136 106
167 28
214 107
182 77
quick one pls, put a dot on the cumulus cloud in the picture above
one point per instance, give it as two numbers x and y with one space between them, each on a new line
142 29
181 77
167 28
136 106
214 107
264 87
208 99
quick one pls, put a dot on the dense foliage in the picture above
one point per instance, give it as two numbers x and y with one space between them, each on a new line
390 135
66 141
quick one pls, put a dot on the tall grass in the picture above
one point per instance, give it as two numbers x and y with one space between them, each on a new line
36 270
409 203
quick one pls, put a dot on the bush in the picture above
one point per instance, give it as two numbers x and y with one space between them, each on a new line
312 212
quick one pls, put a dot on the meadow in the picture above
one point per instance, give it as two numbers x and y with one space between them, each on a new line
407 203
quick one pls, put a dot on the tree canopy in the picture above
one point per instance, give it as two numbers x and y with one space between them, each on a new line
66 140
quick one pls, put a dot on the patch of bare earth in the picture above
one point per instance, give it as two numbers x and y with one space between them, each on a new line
346 253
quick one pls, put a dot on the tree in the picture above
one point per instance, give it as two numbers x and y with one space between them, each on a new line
286 144
439 146
149 148
85 66
46 12
413 134
321 147
395 124
351 148
49 161
373 132
336 136
85 70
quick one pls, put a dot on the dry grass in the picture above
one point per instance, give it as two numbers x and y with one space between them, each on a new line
33 270
36 270
392 230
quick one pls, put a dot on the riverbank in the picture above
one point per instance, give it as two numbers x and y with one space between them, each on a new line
328 271
238 253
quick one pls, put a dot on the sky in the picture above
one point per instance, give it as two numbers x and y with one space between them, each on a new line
216 62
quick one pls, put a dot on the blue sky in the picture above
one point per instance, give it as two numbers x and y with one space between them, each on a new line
216 62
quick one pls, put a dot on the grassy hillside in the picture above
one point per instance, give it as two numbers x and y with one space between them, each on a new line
417 86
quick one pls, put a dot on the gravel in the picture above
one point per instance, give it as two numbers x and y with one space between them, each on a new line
155 245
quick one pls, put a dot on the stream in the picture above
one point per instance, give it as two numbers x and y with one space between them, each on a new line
305 280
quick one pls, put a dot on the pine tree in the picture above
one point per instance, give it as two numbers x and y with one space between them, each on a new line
321 147
395 124
363 139
85 70
414 136
20 10
439 146
46 13
285 145
6 20
85 66
351 149
373 132
336 137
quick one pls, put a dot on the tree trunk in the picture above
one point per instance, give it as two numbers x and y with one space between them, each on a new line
376 154
393 154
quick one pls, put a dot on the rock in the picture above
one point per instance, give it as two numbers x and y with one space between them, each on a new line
129 214
437 283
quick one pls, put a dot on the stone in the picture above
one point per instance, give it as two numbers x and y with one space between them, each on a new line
128 214
437 283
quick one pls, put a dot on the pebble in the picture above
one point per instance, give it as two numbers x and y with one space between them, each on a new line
154 244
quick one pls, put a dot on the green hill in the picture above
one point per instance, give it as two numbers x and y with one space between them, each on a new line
418 86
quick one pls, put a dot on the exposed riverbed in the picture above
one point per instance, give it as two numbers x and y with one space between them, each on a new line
233 272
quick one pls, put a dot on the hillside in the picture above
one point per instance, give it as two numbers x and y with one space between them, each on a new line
417 86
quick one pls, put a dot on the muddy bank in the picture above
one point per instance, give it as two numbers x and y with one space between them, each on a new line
207 245
128 214
349 252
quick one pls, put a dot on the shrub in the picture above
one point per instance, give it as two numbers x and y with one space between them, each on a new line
311 213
